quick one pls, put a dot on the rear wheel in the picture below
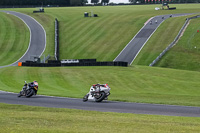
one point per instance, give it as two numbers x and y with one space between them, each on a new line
29 93
101 97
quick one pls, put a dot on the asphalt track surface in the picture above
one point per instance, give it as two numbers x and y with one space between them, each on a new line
37 42
132 49
37 46
105 106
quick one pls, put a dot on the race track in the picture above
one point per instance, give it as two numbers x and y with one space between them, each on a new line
37 46
105 106
37 42
132 49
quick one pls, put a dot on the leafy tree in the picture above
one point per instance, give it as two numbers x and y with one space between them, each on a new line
132 1
104 2
34 2
95 1
84 2
75 2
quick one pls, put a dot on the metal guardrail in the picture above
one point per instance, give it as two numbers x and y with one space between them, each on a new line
56 39
174 42
81 63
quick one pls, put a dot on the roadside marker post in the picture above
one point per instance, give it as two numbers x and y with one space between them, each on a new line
19 63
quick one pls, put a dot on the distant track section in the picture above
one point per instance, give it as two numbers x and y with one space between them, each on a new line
132 49
37 42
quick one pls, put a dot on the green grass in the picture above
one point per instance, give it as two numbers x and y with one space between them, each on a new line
186 53
81 37
14 39
164 35
102 38
22 119
132 84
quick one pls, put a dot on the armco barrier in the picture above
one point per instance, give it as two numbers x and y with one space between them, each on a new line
174 42
56 39
83 63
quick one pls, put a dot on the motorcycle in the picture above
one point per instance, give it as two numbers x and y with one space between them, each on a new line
98 93
29 89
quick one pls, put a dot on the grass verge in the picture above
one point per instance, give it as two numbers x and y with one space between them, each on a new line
186 53
18 119
132 84
102 38
164 35
14 40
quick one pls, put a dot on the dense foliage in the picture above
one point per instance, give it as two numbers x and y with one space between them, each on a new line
34 2
81 2
169 1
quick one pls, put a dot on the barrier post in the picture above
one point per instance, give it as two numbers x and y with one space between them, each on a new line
19 63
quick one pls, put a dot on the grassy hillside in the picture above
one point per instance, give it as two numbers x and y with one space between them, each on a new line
133 84
186 53
103 37
164 35
14 38
18 119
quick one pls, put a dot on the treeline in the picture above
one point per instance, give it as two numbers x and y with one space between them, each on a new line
168 1
43 2
35 2
81 2
185 1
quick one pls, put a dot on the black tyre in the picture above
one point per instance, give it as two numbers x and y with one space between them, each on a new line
29 93
100 97
20 94
85 98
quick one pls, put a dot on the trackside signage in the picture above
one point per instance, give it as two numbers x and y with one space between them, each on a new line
70 61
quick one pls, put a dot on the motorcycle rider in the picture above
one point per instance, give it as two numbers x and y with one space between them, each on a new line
35 84
96 87
27 86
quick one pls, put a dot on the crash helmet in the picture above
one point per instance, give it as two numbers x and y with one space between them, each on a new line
35 82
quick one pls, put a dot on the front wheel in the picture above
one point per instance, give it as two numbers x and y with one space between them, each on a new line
20 94
85 98
101 97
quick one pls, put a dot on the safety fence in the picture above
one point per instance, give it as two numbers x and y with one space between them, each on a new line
56 39
80 62
174 42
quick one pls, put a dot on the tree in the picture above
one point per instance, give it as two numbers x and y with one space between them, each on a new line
104 2
75 2
84 2
95 1
132 1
